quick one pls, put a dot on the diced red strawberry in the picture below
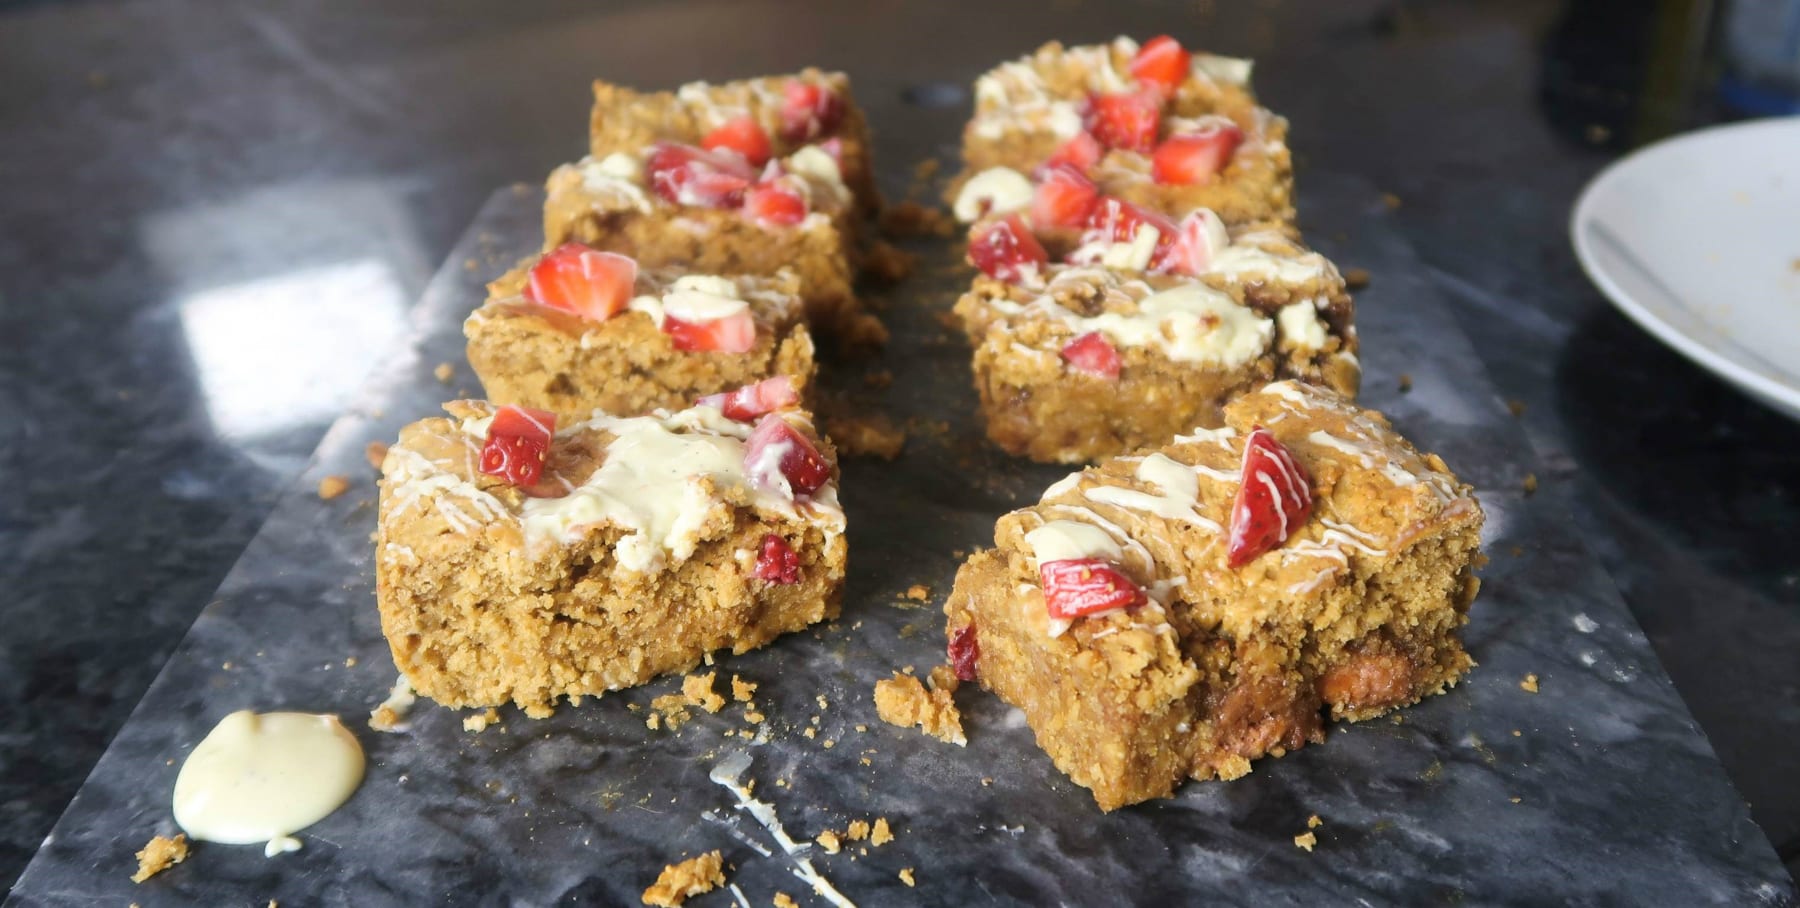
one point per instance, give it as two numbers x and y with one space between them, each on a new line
588 282
751 402
1093 354
776 561
1118 221
964 650
1195 157
1064 197
1198 240
686 175
776 203
1007 250
743 135
1083 586
1081 152
1274 498
518 442
777 451
809 111
834 147
1125 120
1162 62
735 333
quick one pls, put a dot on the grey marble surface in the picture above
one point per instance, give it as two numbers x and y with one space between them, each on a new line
157 150
1618 796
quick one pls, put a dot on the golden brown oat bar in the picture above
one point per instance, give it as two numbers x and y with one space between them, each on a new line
1155 125
1076 362
1181 613
671 339
644 544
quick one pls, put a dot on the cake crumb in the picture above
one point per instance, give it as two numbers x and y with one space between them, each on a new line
987 781
1405 382
911 218
479 722
943 677
694 876
1305 841
906 876
470 264
1515 406
698 689
1530 485
1516 733
158 855
1356 278
918 592
375 452
753 716
390 715
332 486
1530 684
866 435
858 830
1313 822
444 372
742 690
350 662
903 701
1391 200
673 708
881 834
653 721
829 841
887 262
810 733
783 900
1516 800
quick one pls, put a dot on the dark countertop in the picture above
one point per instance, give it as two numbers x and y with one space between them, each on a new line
160 162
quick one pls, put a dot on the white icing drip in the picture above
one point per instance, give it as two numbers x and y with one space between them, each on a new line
1180 487
1186 322
1300 325
415 480
263 777
1063 540
1247 258
1221 436
726 774
1327 440
1061 486
1126 542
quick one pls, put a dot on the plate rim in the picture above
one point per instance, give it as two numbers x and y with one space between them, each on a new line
1783 395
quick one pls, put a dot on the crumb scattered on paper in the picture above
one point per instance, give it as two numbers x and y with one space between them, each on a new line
906 876
1530 485
480 721
1530 684
678 882
444 372
1306 841
829 841
918 592
1390 200
742 690
1405 382
332 486
376 452
698 689
901 700
867 434
1516 407
1356 278
158 855
391 714
881 834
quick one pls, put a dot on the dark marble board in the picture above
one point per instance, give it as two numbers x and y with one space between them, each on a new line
1598 789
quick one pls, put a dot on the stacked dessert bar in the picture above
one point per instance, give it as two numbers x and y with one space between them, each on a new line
643 484
1251 551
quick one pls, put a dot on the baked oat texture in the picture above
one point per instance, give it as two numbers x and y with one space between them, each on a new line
478 611
679 882
1356 614
158 855
540 357
903 701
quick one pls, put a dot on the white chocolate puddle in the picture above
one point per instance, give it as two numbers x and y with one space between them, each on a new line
263 777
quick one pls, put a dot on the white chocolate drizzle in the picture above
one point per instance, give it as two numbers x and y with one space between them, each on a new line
263 777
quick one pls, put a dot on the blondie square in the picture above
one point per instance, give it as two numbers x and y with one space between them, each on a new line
634 547
1180 613
1156 125
674 339
1076 362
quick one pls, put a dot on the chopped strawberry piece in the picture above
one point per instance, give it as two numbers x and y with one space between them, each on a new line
1007 250
1081 152
809 111
1091 353
1195 157
776 453
775 203
1274 498
686 175
1064 197
752 402
743 135
1115 220
1084 586
735 333
1199 239
964 650
776 561
835 148
1161 62
518 442
575 278
1125 120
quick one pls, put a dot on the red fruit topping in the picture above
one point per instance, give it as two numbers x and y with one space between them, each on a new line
518 441
833 147
1125 120
590 283
1118 221
735 333
774 446
1274 498
1081 152
1006 250
1091 353
752 402
809 111
1195 157
964 651
1083 586
776 203
776 561
1198 239
687 175
743 135
1063 197
1161 62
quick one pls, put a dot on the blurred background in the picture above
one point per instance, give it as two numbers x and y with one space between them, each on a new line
216 217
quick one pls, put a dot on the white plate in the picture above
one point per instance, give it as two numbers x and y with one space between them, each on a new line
1697 239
